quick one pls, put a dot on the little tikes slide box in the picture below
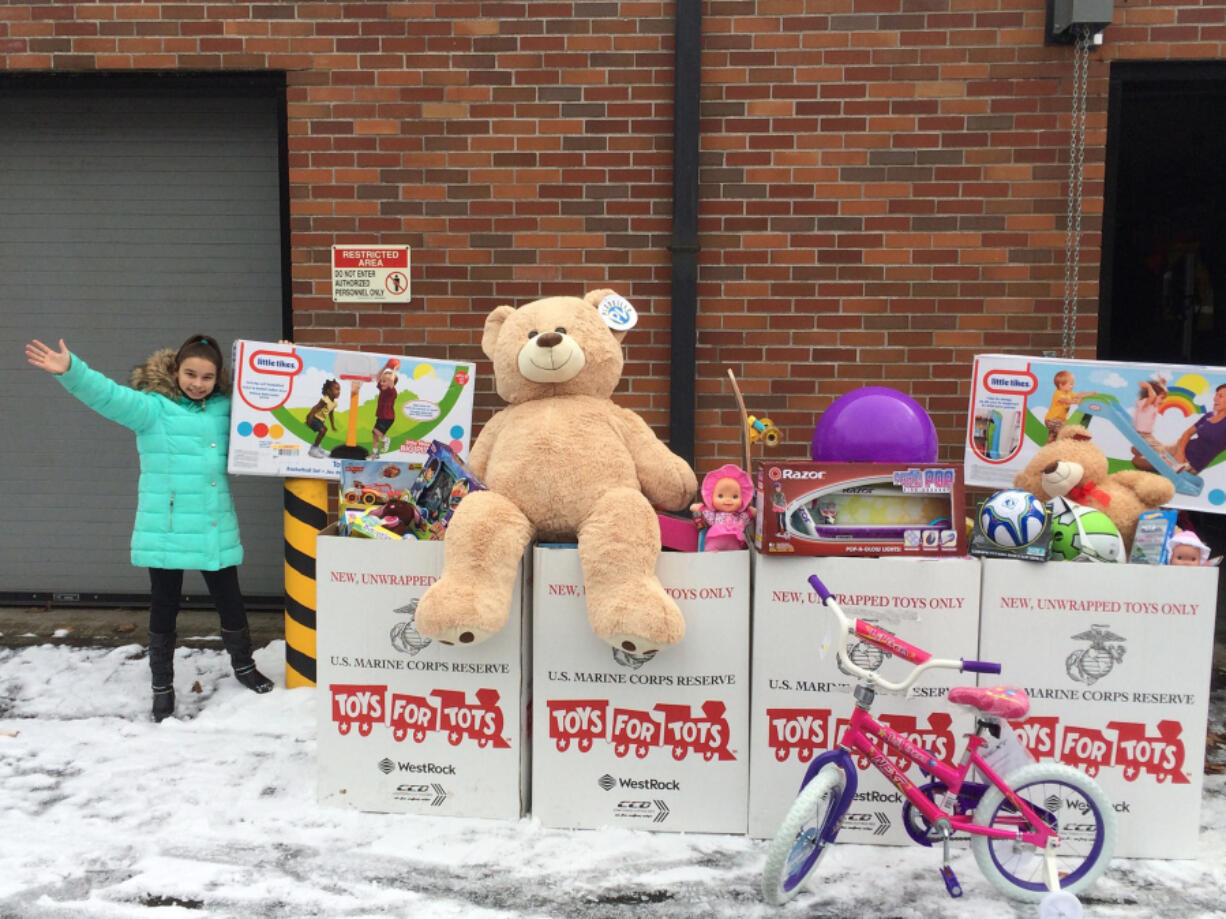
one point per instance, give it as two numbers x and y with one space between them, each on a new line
801 700
1011 397
1117 662
658 744
276 387
407 724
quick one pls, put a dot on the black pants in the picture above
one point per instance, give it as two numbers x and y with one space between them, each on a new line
167 584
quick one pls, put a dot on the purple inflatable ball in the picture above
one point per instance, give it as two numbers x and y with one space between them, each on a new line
875 424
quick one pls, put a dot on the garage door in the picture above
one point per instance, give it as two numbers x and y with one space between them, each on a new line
133 212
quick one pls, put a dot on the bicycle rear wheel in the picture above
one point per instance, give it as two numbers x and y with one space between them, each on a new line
1072 803
806 832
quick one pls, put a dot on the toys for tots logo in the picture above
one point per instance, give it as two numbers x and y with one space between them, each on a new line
446 711
1126 745
583 722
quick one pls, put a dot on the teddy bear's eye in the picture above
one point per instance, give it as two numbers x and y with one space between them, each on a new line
533 334
560 329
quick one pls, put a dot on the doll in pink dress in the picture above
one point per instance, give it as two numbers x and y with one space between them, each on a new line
725 510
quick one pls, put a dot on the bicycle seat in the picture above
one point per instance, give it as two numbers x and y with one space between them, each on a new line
1006 702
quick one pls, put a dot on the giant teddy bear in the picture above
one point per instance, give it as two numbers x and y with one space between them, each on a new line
1072 466
561 462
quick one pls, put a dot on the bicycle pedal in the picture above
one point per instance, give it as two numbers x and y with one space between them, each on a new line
951 881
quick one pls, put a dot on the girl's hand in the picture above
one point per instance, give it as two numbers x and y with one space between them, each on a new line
41 355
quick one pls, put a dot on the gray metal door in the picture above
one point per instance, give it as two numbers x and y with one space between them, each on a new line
130 217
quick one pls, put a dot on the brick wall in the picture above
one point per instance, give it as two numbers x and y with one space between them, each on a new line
881 189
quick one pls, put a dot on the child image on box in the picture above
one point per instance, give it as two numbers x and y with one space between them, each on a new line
1062 400
324 408
724 512
179 408
385 411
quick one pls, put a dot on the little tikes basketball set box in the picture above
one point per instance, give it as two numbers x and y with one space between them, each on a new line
298 411
407 724
646 743
1165 418
808 508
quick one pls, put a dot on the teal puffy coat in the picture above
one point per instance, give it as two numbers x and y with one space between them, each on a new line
184 515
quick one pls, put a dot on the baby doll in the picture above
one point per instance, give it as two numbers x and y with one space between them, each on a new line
725 509
1187 549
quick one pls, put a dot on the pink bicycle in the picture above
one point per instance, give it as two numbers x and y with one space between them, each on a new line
1043 833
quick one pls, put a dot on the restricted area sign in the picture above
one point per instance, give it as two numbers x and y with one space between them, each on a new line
370 274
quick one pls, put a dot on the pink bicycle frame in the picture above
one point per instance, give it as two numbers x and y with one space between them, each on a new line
864 728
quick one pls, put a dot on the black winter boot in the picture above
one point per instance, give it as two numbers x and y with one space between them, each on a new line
238 644
162 670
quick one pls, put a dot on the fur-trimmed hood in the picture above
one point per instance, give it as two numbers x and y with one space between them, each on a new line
159 375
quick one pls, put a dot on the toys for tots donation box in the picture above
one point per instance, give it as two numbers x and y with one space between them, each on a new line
1116 660
655 744
299 411
406 723
801 700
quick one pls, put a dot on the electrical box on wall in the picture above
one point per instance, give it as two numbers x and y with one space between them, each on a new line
1066 18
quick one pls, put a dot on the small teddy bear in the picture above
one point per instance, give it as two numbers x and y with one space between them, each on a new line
562 462
1071 466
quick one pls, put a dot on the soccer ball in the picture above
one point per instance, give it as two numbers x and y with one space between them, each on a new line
1083 533
1012 518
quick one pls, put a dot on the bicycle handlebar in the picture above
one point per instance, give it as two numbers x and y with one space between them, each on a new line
885 640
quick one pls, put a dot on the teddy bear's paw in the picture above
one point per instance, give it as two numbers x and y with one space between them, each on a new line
453 617
463 635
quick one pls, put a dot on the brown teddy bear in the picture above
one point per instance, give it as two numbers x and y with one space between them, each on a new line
1072 466
561 462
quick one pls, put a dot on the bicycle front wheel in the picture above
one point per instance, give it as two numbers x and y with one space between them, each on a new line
806 832
1071 803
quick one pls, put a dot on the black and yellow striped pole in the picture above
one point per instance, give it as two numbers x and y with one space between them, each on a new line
306 513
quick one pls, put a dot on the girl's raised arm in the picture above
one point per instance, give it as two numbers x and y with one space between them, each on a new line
48 359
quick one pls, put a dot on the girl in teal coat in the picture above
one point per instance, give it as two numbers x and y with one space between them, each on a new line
179 407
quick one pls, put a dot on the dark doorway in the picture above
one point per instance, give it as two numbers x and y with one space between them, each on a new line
1164 223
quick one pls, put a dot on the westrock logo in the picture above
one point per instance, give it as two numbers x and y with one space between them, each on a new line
1089 665
405 637
445 710
582 722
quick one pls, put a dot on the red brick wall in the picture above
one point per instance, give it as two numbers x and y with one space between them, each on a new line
882 181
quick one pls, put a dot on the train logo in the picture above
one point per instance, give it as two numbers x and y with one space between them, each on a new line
584 722
443 711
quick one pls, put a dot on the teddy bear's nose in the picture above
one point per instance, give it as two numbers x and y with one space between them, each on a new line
548 340
1052 468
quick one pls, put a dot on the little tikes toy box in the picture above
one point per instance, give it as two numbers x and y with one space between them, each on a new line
1135 413
277 386
808 508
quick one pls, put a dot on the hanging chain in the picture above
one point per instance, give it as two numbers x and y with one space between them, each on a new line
1076 168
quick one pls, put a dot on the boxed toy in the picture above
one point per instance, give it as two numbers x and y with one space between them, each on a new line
298 411
443 481
1165 418
1152 543
859 509
366 484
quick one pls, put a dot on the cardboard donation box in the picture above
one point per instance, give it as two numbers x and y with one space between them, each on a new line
298 411
1116 660
658 744
1136 414
406 723
801 701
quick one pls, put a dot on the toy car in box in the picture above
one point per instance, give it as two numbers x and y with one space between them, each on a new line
369 484
807 508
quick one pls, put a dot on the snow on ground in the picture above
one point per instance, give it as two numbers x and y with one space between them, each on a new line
105 815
